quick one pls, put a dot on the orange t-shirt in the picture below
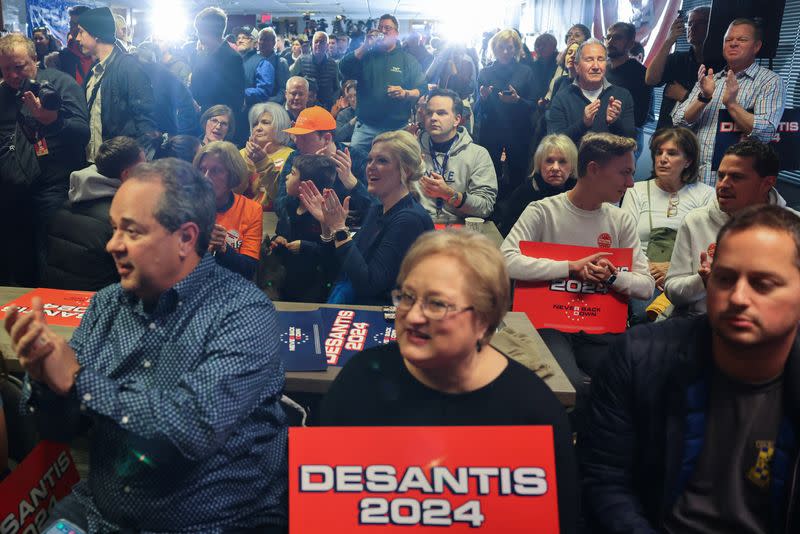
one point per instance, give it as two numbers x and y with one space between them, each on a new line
243 221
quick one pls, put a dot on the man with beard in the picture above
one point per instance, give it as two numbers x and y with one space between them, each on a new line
694 420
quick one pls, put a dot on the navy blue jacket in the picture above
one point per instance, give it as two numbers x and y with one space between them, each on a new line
566 113
647 423
371 261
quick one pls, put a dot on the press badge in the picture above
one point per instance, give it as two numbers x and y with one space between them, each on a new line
41 148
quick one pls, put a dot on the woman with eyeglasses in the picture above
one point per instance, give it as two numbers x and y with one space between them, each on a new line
236 237
660 203
217 124
452 293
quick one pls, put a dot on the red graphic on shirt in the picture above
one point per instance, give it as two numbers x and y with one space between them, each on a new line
712 248
604 240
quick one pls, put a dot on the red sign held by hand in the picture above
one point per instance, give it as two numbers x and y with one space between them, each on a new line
422 479
61 307
571 305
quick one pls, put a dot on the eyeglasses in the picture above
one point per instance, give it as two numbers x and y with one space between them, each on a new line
216 122
672 207
387 29
432 308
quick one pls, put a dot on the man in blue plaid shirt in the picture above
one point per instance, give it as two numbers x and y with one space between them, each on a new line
753 95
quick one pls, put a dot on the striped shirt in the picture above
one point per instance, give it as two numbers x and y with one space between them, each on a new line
754 81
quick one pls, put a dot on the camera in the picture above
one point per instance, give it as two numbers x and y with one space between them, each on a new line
46 93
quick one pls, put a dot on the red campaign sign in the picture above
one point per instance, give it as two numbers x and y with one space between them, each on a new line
61 307
45 476
421 479
570 305
444 226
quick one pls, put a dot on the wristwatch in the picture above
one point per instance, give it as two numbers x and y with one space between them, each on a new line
453 198
342 234
703 99
611 279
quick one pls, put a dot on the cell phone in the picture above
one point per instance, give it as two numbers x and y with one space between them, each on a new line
505 93
62 526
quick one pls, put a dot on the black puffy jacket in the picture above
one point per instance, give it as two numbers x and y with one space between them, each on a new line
633 454
76 247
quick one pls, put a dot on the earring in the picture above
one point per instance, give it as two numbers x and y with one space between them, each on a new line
478 346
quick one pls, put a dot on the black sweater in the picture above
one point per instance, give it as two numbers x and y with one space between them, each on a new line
566 113
376 389
508 211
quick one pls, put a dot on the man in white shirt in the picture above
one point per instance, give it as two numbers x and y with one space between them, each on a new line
584 216
746 177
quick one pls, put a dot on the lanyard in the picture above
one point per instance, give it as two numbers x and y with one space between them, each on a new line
437 168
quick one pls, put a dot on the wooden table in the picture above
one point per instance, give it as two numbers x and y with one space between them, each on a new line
320 381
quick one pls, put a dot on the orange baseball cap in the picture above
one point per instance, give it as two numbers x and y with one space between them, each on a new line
314 119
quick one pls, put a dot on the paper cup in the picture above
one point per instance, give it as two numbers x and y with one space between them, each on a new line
474 223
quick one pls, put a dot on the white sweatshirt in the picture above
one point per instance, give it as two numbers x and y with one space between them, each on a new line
557 220
698 231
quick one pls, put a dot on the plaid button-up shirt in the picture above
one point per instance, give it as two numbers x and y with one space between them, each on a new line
761 92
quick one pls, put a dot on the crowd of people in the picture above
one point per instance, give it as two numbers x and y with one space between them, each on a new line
144 173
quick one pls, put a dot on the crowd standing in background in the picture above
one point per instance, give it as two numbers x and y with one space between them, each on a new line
145 172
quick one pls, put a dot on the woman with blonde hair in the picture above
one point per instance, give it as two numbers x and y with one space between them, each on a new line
505 106
236 238
452 293
369 262
555 167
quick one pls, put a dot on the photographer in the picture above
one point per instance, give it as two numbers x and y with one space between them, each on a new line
389 80
44 129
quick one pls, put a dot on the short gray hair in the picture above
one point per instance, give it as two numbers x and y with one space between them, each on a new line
187 197
297 78
270 31
280 119
584 44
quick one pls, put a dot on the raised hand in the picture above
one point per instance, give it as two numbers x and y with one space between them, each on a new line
312 200
706 80
589 112
614 110
731 89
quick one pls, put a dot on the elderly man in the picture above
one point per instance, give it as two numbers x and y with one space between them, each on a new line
50 137
591 103
177 370
694 421
390 80
268 56
296 96
246 46
753 95
321 67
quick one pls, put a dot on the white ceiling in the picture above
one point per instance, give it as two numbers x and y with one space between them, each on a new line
355 9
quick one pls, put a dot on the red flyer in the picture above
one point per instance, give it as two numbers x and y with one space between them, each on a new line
444 226
61 307
500 479
44 477
570 305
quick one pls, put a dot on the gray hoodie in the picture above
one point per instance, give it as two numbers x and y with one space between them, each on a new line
697 233
88 184
470 169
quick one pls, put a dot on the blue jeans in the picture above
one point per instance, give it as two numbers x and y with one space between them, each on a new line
363 134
